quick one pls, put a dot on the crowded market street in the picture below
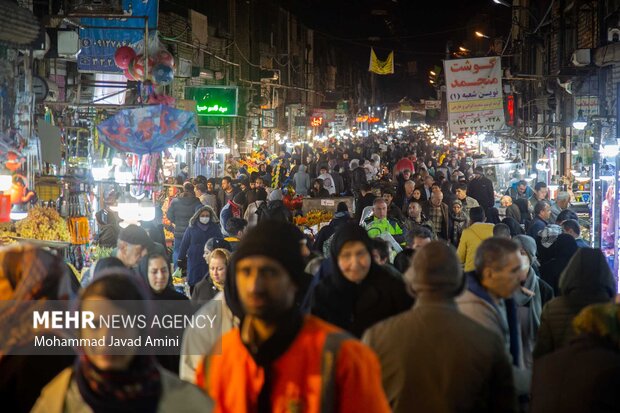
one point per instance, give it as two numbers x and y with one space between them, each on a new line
251 206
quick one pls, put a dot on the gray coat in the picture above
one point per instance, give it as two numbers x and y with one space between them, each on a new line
302 181
434 359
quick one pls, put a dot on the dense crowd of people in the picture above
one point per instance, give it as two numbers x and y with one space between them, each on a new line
435 292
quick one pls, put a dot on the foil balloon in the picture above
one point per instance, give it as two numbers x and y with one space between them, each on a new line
164 57
128 75
163 74
123 56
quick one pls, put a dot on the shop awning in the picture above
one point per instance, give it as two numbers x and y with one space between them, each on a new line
18 26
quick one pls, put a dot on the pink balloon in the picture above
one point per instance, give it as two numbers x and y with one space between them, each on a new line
164 57
123 56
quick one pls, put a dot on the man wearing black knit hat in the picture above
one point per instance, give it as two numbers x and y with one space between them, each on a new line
277 359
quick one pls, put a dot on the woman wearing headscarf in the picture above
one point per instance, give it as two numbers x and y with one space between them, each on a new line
356 292
584 376
203 226
515 227
131 381
559 254
199 341
459 220
530 298
29 276
213 283
586 280
155 271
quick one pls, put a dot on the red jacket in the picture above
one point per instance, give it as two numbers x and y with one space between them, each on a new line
305 377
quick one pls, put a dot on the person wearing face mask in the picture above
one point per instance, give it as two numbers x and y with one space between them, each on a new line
203 226
356 293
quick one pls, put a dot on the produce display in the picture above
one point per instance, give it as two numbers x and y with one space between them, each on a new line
313 217
7 230
43 224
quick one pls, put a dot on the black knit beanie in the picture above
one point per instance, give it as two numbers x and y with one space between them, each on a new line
277 240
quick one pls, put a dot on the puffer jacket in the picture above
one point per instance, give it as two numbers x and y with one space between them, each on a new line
193 244
586 280
181 210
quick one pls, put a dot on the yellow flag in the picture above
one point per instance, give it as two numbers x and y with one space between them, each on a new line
381 67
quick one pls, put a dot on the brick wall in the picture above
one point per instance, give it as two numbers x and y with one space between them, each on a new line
587 27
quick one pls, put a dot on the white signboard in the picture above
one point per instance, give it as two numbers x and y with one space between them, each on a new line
474 93
587 104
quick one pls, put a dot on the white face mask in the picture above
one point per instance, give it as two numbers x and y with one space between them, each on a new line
204 220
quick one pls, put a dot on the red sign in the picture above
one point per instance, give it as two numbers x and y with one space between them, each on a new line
316 121
510 108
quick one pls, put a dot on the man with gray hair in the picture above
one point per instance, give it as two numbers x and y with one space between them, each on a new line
417 349
562 202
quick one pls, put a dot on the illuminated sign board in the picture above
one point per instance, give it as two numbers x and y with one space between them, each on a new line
316 121
214 100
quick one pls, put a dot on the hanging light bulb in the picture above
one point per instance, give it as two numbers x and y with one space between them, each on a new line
580 123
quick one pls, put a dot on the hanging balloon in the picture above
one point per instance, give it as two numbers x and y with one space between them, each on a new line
164 57
136 67
162 74
123 56
128 75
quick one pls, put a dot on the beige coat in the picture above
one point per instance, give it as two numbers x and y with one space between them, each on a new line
61 396
434 359
197 342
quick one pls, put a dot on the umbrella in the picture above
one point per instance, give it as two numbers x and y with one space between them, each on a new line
147 129
403 164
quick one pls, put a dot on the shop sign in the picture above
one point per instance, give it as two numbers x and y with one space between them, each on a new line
474 94
268 118
214 100
432 104
98 45
316 121
510 110
587 104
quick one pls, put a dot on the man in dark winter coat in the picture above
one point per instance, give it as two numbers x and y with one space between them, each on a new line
274 209
481 189
366 199
587 280
358 177
417 347
338 180
585 375
179 213
341 217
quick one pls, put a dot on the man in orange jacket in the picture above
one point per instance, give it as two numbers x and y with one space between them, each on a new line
278 360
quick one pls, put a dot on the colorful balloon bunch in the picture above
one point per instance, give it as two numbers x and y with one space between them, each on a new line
160 65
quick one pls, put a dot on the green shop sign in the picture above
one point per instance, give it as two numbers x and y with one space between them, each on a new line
214 100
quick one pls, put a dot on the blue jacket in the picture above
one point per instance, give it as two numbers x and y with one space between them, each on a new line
193 244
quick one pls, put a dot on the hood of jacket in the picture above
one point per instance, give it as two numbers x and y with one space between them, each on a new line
214 217
302 168
588 271
275 195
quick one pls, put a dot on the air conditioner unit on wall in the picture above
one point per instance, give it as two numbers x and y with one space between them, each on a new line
613 34
581 57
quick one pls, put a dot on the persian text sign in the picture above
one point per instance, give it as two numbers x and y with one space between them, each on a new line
474 94
100 37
